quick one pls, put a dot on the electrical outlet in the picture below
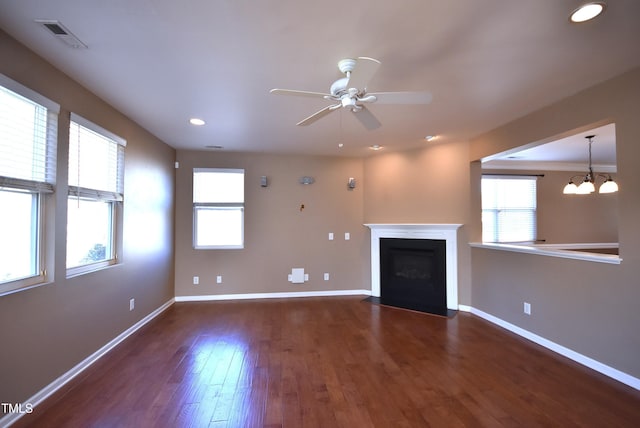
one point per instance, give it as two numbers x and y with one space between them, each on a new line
326 277
347 236
196 280
132 304
330 236
219 279
527 308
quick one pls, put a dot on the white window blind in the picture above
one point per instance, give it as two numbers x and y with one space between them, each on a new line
96 161
218 185
28 125
509 208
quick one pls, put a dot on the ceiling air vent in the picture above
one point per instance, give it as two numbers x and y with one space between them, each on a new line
61 32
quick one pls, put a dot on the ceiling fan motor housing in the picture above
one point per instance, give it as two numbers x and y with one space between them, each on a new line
338 87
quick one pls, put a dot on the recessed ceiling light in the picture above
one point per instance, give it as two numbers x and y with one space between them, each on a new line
430 137
376 147
340 145
196 121
587 11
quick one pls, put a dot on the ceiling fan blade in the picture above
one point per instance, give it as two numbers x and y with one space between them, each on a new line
402 97
317 115
363 71
298 93
367 118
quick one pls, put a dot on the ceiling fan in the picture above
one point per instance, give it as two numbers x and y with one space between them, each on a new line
350 92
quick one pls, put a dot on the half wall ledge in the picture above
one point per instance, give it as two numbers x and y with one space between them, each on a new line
566 251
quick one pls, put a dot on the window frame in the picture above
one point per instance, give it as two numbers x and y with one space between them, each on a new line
113 198
41 190
533 228
213 205
112 259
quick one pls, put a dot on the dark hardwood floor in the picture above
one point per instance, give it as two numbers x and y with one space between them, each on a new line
332 362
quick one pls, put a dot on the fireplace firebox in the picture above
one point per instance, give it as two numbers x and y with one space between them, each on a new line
413 274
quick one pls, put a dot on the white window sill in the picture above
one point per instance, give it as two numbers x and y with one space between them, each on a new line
6 290
566 251
90 268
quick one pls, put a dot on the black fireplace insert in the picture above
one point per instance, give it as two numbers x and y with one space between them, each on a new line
413 274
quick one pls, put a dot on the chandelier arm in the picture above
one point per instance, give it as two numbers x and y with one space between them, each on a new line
575 176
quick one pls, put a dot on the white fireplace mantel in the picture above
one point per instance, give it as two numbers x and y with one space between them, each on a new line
447 232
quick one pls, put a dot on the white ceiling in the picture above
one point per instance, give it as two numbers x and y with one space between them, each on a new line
486 63
565 154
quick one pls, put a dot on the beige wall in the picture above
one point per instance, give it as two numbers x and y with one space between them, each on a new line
278 235
429 185
49 329
571 218
588 307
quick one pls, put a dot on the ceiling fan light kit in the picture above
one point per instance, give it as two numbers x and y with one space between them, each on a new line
350 92
588 183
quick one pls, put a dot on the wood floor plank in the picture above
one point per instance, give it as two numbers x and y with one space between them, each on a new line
332 362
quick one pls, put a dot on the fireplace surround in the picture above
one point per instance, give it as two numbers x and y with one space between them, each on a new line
441 232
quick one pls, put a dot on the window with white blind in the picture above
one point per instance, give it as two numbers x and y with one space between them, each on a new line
509 208
96 172
218 208
28 133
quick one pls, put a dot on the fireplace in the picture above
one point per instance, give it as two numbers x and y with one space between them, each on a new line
424 269
413 274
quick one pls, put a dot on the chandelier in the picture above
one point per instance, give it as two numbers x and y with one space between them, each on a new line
588 183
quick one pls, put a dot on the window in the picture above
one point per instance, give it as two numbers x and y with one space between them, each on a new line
96 170
28 132
218 208
508 208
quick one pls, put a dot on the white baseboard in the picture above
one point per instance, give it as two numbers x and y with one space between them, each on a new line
464 308
575 356
48 390
282 295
